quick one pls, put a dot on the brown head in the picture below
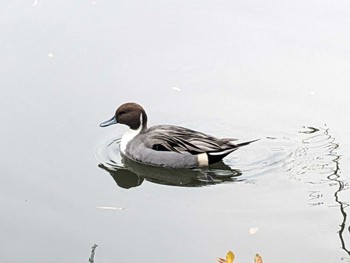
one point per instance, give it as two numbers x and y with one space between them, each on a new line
131 114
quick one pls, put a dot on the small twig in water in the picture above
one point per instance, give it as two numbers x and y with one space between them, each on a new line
91 258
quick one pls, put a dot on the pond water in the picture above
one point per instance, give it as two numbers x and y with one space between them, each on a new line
277 71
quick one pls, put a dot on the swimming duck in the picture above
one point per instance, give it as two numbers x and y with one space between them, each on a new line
167 145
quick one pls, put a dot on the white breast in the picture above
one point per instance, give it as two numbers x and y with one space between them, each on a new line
128 136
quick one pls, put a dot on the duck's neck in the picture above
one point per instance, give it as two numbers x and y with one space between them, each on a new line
132 133
143 121
127 137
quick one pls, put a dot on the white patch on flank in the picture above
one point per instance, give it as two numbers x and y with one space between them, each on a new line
129 135
203 159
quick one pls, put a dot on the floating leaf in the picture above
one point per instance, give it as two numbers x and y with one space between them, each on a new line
229 258
258 259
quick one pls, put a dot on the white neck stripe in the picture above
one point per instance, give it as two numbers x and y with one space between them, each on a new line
129 135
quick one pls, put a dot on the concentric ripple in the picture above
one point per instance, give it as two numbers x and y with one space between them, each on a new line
128 173
265 156
294 154
108 154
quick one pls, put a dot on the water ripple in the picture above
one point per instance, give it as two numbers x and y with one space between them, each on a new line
309 156
263 157
128 173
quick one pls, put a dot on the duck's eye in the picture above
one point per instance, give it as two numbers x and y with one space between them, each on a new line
122 113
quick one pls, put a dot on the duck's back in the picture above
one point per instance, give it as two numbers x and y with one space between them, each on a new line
180 139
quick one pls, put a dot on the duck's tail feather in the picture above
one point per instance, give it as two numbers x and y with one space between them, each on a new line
244 143
214 157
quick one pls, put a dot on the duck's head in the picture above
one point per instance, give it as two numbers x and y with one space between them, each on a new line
131 114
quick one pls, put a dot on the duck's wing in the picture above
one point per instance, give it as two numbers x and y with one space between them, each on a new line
180 139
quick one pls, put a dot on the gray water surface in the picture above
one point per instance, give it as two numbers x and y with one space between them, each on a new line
278 71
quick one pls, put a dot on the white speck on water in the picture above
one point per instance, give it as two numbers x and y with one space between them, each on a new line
110 208
253 230
94 2
176 89
50 55
312 93
35 2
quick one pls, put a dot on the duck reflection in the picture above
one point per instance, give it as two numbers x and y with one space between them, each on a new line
132 174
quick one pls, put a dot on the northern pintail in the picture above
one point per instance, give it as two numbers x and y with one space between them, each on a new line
167 145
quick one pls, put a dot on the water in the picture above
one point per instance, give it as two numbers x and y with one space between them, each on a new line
274 71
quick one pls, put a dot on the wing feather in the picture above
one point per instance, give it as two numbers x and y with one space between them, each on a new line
179 139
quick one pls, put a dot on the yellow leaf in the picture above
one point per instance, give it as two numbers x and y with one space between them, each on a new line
230 256
258 259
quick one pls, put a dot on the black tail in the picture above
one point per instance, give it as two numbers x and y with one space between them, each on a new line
214 157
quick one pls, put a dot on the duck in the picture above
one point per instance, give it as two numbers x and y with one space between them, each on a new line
167 146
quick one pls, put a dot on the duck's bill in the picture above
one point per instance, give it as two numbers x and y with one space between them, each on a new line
109 122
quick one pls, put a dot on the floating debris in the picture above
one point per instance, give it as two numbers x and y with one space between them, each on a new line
230 257
176 89
258 259
91 258
253 230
